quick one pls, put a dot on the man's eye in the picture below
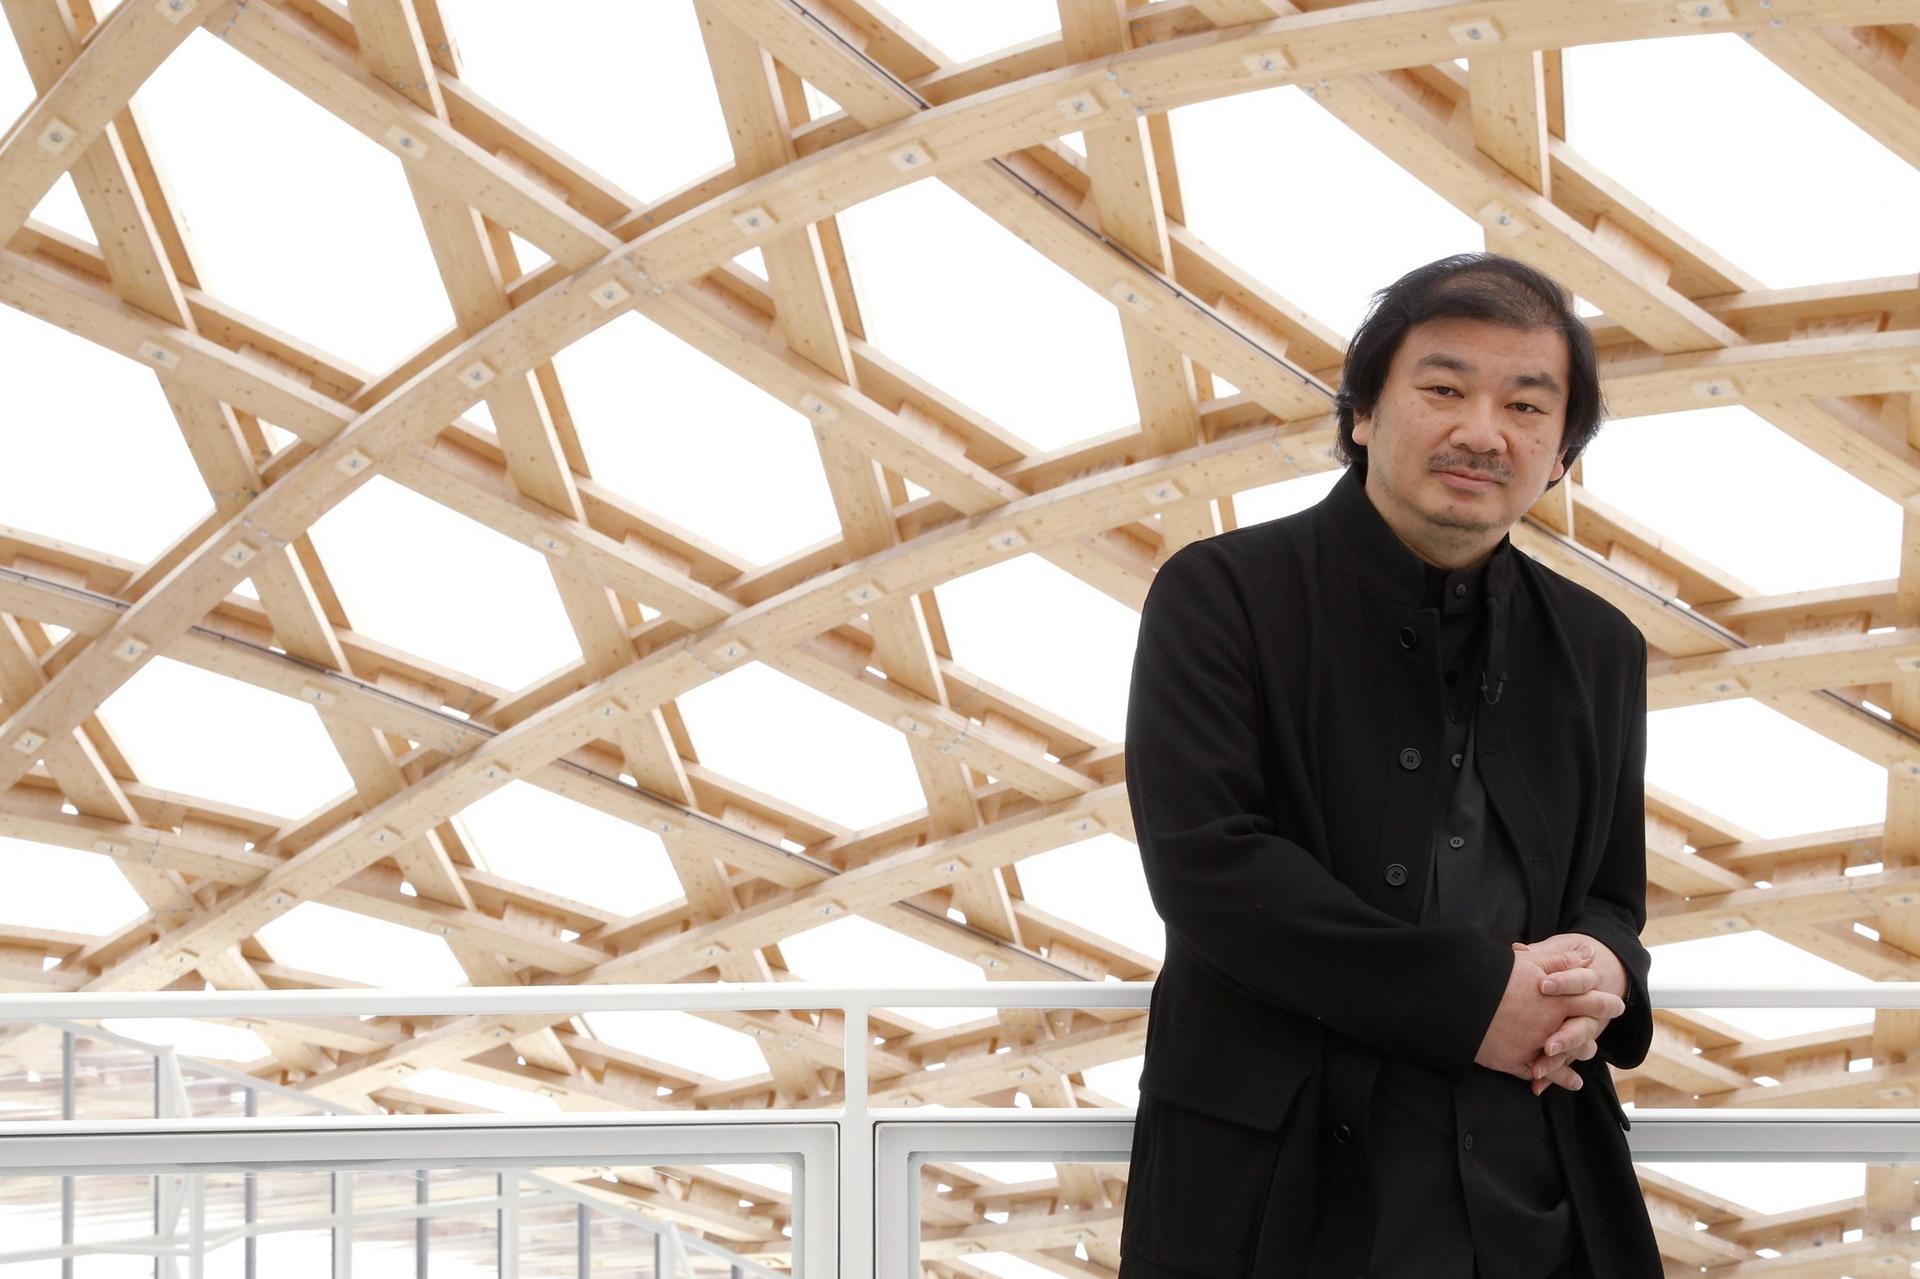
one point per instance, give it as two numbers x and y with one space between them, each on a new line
1522 404
1448 389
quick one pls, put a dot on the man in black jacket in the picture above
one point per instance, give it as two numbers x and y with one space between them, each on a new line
1386 778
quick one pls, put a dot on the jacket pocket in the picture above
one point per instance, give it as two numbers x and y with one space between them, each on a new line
1211 1110
1224 1076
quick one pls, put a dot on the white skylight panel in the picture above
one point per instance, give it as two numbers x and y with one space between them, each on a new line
60 207
754 260
624 88
1766 1188
1005 1265
546 841
1731 487
187 729
359 948
1046 636
445 588
766 730
688 440
963 32
684 1040
1119 1081
1271 501
1753 766
209 1041
1098 884
528 257
457 1087
17 91
1731 147
1303 204
819 105
295 218
93 454
961 302
1759 956
64 889
855 951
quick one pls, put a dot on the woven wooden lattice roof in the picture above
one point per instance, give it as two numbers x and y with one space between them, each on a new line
1233 385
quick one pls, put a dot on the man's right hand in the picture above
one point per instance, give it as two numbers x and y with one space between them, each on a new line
1526 1017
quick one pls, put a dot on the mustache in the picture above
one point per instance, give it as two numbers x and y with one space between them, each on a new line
1468 464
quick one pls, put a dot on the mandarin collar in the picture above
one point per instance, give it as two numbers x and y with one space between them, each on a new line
1391 565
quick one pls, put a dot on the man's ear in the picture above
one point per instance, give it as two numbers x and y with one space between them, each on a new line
1362 427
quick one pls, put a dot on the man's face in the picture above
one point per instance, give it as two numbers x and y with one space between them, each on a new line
1466 434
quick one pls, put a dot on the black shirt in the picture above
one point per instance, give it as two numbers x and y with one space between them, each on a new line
1462 1157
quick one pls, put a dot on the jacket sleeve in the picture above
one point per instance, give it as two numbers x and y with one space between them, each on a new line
1260 911
1615 910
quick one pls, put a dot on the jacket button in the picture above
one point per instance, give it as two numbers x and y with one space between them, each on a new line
1456 759
1455 841
1342 1134
1408 637
1396 874
1409 758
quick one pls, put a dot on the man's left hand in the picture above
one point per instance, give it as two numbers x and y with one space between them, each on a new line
1575 1039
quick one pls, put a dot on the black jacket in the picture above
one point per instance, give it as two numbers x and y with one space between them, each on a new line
1282 745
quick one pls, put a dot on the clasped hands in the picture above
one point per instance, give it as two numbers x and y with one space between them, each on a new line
1560 996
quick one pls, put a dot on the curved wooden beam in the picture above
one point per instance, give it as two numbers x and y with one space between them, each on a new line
53 133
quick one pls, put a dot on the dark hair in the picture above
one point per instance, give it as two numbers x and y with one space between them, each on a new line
1479 286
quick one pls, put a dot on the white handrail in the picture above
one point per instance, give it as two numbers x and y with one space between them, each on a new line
712 996
855 1120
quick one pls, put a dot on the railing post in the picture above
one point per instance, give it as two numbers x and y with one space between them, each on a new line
197 1225
507 1229
856 1147
68 1063
421 1196
342 1225
250 1196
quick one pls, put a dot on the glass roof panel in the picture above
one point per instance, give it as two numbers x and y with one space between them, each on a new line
294 218
442 587
94 457
965 305
1749 764
1279 187
692 443
546 841
1733 488
763 728
1727 144
187 729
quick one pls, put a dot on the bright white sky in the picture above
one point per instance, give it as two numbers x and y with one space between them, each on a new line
305 225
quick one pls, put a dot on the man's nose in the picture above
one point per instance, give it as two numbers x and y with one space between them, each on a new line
1477 427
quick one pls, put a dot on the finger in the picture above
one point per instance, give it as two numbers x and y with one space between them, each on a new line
1571 981
1565 1076
1601 1004
1543 1066
1572 1032
1560 959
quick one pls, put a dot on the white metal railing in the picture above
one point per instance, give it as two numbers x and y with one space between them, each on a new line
856 1164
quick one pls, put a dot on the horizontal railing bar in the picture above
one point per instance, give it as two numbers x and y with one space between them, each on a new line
682 996
767 996
1882 994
